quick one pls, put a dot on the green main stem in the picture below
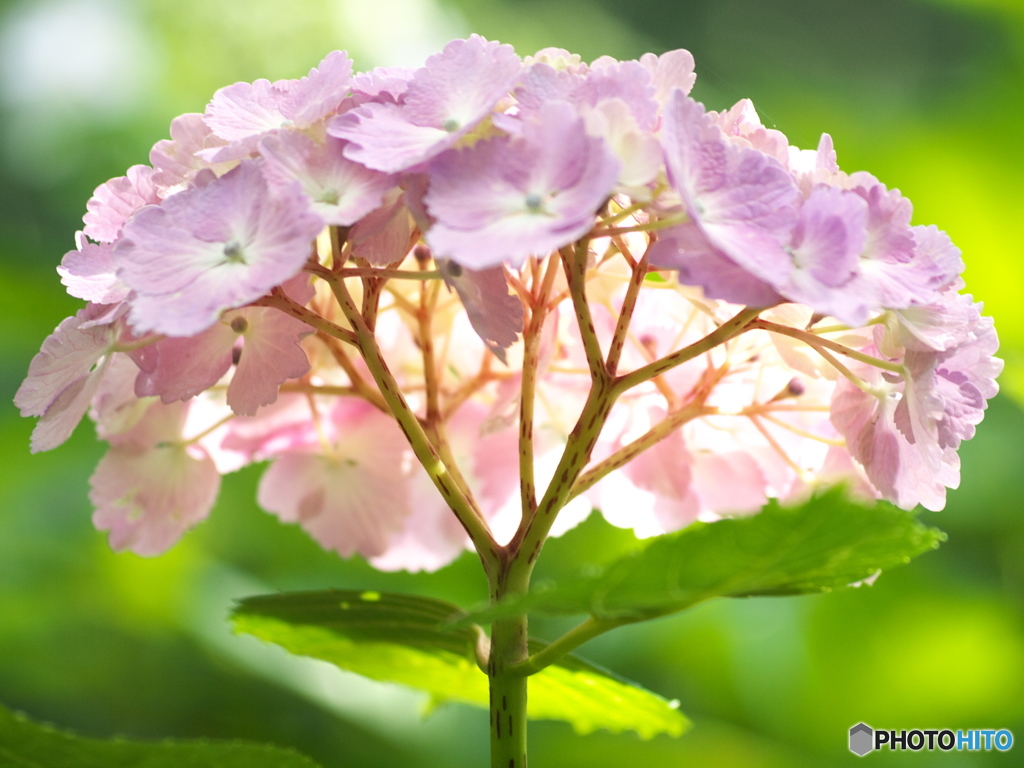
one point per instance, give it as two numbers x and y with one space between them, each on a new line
509 567
508 693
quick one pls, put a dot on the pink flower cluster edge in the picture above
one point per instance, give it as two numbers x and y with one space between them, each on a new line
445 198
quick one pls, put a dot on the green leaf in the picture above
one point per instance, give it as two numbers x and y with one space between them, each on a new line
411 640
828 543
24 744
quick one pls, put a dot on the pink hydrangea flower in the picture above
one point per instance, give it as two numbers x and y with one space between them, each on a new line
827 242
213 247
508 198
444 101
742 202
222 329
905 430
243 112
262 344
342 192
64 376
351 496
152 486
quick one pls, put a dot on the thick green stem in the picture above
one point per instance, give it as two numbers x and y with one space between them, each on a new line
509 649
508 693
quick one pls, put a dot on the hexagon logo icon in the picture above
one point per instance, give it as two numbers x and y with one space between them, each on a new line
862 739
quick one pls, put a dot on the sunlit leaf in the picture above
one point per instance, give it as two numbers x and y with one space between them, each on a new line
25 744
828 543
409 640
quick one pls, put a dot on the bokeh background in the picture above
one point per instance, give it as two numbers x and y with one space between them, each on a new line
926 94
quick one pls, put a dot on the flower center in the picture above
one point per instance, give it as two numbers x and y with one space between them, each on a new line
233 252
534 202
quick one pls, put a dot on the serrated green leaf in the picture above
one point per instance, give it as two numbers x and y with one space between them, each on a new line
412 641
25 744
828 543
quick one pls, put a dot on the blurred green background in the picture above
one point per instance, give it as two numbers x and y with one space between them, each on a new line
925 94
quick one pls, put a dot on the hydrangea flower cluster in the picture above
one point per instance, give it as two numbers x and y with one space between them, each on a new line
502 279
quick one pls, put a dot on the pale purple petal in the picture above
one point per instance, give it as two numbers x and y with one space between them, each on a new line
65 413
743 200
382 83
729 483
263 342
184 367
627 81
462 83
495 314
270 355
673 69
431 537
312 98
114 201
89 273
382 137
243 110
653 493
606 79
638 151
115 408
687 249
62 378
742 124
947 323
383 236
891 275
942 259
541 83
904 432
558 58
341 191
828 240
177 160
352 499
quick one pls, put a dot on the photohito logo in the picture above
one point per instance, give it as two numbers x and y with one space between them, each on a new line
864 739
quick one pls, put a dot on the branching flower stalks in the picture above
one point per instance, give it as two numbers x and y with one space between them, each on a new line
538 286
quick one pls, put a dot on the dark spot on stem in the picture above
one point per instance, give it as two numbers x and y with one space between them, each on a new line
504 702
535 552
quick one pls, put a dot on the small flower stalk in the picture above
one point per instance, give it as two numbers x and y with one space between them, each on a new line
463 306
